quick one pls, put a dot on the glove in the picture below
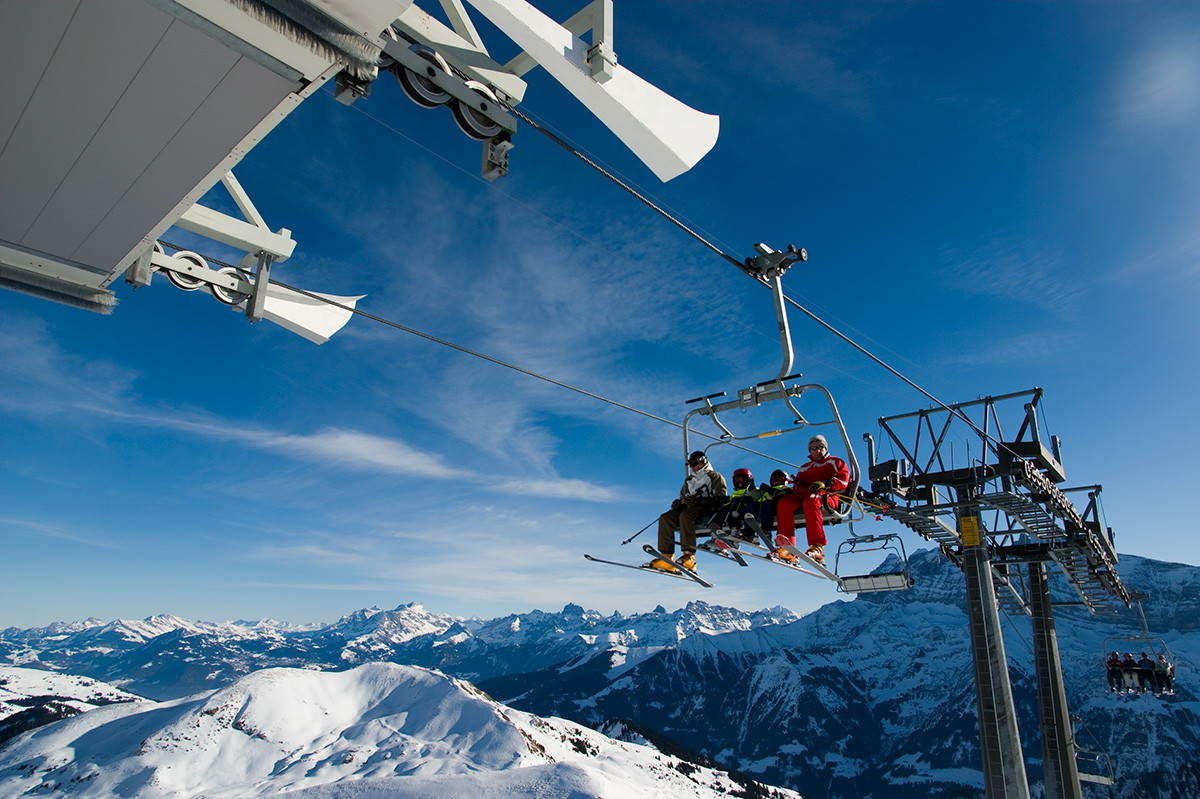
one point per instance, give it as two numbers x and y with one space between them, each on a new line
817 486
677 504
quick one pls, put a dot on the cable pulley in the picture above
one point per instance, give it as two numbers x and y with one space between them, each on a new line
421 88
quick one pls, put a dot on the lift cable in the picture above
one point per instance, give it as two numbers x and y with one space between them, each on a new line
512 366
600 244
741 265
641 197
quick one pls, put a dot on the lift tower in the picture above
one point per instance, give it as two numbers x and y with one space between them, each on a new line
1001 517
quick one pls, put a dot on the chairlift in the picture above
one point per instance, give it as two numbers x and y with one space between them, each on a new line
1155 648
768 267
892 579
1092 765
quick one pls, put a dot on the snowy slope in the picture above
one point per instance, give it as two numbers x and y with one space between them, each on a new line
30 698
374 731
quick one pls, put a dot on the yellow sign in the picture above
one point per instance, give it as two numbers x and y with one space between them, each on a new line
968 526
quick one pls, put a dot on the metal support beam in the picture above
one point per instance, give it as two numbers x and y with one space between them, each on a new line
1003 760
1058 744
262 278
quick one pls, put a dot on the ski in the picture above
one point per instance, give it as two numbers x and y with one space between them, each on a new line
724 547
654 553
681 574
820 567
767 548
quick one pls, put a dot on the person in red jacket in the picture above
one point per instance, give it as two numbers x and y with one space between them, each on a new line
813 488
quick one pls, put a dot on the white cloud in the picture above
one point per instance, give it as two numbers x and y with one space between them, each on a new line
44 530
357 450
41 379
1159 87
561 489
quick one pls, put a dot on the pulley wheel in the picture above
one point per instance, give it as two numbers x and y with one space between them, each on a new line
227 296
182 279
420 88
470 117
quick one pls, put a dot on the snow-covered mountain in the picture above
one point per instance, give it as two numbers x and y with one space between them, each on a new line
873 696
877 697
379 730
165 657
30 698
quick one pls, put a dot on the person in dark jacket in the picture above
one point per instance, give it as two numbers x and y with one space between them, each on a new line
738 504
1129 672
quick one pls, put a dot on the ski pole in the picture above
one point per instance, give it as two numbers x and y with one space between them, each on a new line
639 532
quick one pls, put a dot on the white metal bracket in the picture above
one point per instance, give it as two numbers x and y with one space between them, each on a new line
251 235
596 17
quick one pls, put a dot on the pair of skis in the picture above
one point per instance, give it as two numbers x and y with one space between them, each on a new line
680 572
730 547
766 551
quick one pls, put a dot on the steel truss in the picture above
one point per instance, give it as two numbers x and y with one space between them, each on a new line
1004 520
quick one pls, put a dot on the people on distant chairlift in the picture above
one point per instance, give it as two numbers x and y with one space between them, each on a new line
703 491
1145 673
814 487
1129 672
1113 665
1164 675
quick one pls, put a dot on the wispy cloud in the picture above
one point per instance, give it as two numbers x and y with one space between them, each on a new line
358 450
1019 350
41 379
44 380
561 489
1159 86
45 530
1014 270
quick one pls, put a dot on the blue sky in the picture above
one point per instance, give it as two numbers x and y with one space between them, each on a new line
994 196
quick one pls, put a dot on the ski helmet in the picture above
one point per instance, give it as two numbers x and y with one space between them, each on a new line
747 478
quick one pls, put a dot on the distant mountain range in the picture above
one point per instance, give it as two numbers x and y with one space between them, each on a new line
873 696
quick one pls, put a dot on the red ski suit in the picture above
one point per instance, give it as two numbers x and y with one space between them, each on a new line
830 470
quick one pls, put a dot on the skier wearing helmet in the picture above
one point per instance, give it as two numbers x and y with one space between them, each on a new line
702 492
740 502
765 498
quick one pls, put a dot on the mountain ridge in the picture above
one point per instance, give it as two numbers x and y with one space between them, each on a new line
870 695
373 731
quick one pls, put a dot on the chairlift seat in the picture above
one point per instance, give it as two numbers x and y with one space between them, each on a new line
897 579
871 583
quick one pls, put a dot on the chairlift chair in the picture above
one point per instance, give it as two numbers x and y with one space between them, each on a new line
1092 765
894 579
768 267
1140 643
